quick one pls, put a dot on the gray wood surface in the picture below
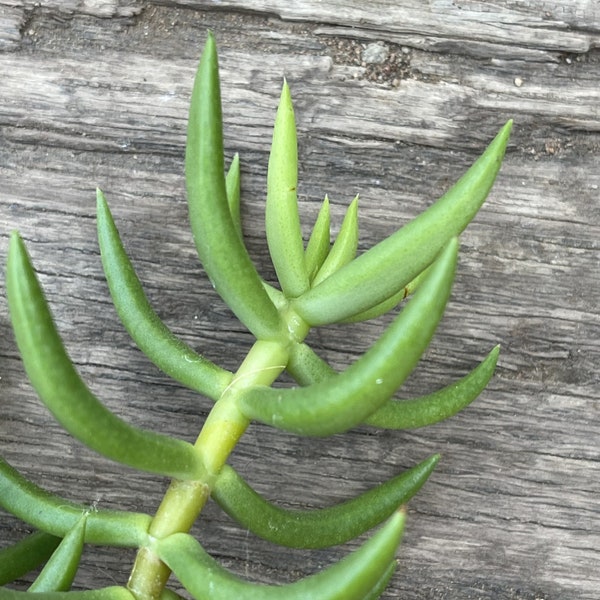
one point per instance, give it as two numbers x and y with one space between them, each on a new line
95 93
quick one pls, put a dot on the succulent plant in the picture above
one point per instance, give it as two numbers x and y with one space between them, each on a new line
319 284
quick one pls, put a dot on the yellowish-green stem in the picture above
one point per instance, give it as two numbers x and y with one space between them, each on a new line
224 426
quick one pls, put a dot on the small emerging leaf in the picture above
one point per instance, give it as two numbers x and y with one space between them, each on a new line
344 247
319 241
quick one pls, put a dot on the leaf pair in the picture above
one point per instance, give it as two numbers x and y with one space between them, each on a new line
60 387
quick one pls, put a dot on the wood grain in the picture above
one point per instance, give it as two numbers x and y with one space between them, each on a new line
95 93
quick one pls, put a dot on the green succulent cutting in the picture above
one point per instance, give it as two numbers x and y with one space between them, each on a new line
319 284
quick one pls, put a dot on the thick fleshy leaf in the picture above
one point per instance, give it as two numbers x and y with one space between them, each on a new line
59 572
438 406
391 264
319 241
62 390
344 247
347 399
317 528
284 234
170 354
57 516
353 578
25 555
216 236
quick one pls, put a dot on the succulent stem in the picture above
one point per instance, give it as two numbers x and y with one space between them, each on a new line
224 426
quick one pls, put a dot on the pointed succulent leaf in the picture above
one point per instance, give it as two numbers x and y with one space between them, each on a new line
353 578
284 234
62 390
438 406
57 516
218 243
317 528
345 245
60 570
170 354
319 241
25 555
347 399
388 266
108 593
232 186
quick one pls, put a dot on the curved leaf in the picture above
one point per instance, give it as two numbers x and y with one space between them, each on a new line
171 355
353 578
319 241
344 247
284 234
432 408
219 246
59 572
58 516
59 386
347 399
25 555
388 266
317 528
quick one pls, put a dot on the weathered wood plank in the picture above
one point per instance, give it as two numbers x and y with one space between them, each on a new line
527 29
512 511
